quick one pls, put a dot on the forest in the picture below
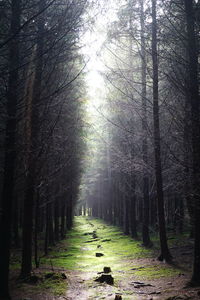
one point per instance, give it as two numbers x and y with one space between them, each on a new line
99 149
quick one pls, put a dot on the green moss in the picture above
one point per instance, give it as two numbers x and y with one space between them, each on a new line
80 248
157 271
78 251
15 266
55 284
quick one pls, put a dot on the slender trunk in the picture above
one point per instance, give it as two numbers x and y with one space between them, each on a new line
32 166
114 202
109 188
10 151
46 243
165 254
181 215
121 203
16 222
145 223
56 219
187 184
62 230
153 209
133 223
194 103
36 229
100 215
50 227
69 213
126 215
118 197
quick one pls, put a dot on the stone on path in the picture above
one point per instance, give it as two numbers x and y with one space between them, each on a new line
106 269
118 297
98 254
107 278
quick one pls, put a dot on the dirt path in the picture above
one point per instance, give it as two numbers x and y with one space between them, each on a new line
137 275
93 245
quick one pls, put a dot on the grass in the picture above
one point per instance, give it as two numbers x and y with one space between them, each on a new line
125 256
56 285
157 271
78 251
81 247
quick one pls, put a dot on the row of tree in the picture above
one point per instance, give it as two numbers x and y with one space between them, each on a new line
147 174
41 126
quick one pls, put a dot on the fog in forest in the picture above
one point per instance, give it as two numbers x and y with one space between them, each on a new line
100 143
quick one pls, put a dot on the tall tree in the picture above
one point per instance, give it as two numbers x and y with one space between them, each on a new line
165 254
32 159
195 122
10 150
145 225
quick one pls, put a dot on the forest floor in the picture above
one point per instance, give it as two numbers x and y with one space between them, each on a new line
70 270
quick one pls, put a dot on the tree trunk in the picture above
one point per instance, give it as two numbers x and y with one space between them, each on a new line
36 229
16 222
133 219
50 227
194 102
69 212
63 228
126 215
165 254
10 151
56 219
145 223
32 166
46 242
187 160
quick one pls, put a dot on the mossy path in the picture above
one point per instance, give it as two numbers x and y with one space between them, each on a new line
136 272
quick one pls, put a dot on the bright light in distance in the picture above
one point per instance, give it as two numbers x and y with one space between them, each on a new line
93 40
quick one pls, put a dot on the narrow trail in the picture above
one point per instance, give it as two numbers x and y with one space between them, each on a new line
93 245
81 282
136 273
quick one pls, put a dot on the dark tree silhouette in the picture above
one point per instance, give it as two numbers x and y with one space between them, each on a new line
194 103
10 150
165 254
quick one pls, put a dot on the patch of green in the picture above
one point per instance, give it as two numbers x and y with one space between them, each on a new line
56 285
15 266
157 271
15 259
178 239
78 251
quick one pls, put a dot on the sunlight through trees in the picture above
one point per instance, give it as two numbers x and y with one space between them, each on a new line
99 116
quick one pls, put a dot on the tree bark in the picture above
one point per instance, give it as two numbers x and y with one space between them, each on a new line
16 222
56 219
145 224
32 166
133 201
194 103
165 254
37 210
187 160
10 151
46 242
63 227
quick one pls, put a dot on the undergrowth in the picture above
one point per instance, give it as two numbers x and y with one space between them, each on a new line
125 256
119 251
